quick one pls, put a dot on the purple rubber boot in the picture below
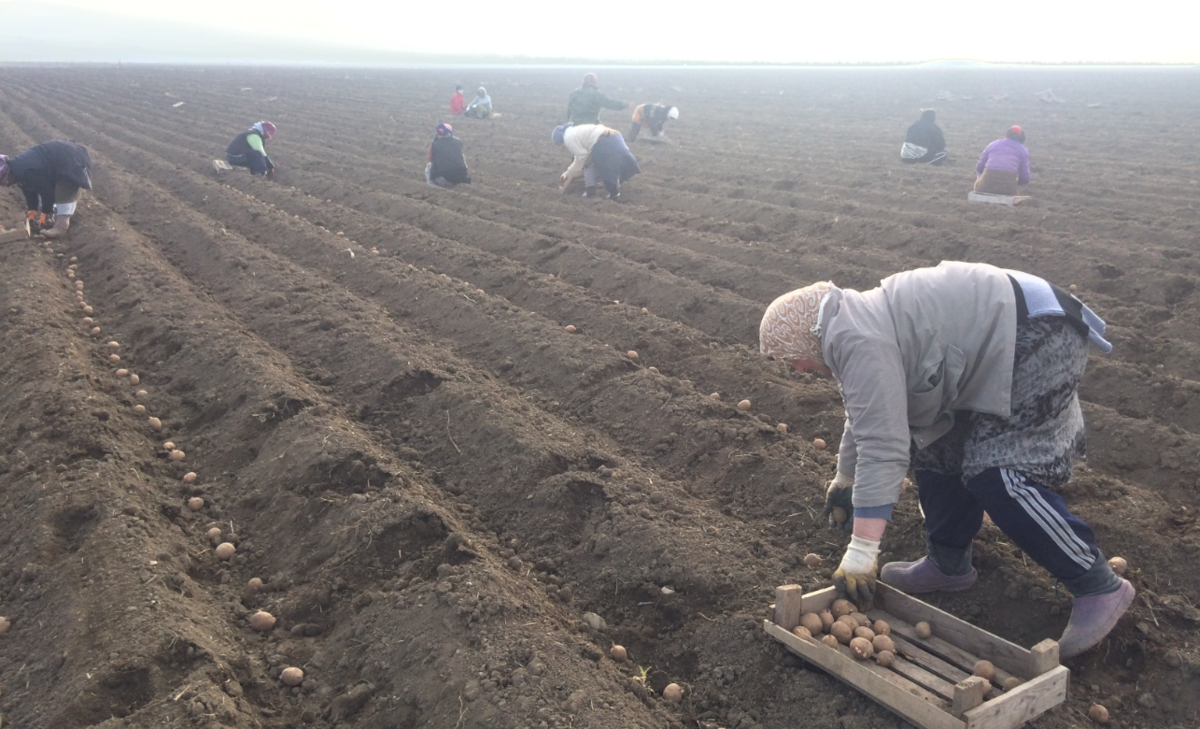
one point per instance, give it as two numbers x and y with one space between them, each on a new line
924 576
1092 618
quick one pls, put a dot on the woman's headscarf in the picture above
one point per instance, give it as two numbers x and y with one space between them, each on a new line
1017 133
558 136
445 130
789 327
589 79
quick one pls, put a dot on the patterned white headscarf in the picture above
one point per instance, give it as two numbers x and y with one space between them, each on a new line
789 328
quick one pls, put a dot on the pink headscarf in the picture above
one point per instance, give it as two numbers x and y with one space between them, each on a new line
787 329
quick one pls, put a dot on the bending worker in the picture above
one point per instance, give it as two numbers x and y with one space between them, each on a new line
249 149
1004 166
652 116
924 141
969 374
599 152
584 103
52 175
447 167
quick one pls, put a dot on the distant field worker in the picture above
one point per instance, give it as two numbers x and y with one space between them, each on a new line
652 116
481 106
447 167
924 141
248 149
968 374
1004 166
600 154
584 103
457 103
52 175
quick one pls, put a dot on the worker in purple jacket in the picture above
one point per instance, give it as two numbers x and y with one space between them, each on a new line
1004 166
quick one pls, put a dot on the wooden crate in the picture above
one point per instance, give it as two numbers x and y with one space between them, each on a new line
18 233
930 682
987 197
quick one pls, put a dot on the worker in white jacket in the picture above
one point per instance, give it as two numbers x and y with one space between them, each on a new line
968 374
599 152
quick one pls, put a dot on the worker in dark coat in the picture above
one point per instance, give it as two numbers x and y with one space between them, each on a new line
52 175
585 102
924 141
447 167
248 149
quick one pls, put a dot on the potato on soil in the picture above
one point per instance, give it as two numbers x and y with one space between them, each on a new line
569 329
1118 565
195 503
4 625
842 632
134 379
155 423
862 648
743 405
140 393
139 409
1011 683
122 372
177 455
618 653
864 632
292 676
830 641
819 444
826 620
923 629
225 550
883 643
214 535
631 354
262 620
189 477
168 446
882 628
782 427
812 560
114 345
1098 714
673 693
95 330
841 607
801 632
985 670
885 658
715 396
812 621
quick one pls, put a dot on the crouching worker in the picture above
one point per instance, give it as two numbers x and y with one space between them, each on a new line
1004 166
600 154
481 106
52 175
924 141
652 116
968 374
249 149
447 167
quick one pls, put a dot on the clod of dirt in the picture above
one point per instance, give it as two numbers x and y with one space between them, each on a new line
4 625
882 628
225 550
177 455
189 477
1011 683
819 443
802 632
882 643
673 693
923 629
842 632
812 621
618 653
985 670
292 676
782 427
830 641
1118 565
862 648
1098 714
885 658
155 423
812 560
569 329
262 620
594 621
841 607
743 405
195 503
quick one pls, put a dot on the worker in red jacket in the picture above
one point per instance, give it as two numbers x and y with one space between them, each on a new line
457 102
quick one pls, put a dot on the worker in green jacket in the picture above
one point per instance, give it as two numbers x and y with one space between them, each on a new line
585 102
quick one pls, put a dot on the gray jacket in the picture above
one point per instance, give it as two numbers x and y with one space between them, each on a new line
908 354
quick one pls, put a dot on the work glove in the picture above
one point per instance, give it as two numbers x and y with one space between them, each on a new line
855 576
839 495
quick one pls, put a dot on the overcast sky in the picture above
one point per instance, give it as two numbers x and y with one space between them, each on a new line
848 31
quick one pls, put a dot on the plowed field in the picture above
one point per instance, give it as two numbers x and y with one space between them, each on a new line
435 481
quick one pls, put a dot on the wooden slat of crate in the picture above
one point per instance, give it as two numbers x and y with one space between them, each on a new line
18 233
926 679
952 673
936 646
1025 702
893 691
959 635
